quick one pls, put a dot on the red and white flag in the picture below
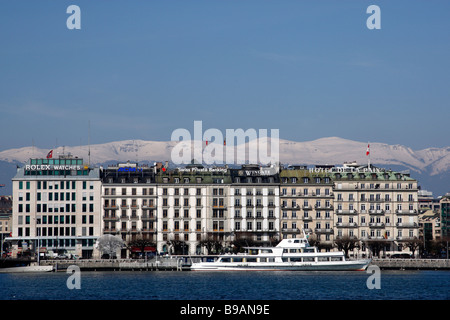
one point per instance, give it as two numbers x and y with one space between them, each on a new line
50 154
368 150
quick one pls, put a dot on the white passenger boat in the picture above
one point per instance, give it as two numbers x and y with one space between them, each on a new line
289 254
27 269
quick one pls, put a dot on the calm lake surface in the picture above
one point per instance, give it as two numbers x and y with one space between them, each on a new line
172 285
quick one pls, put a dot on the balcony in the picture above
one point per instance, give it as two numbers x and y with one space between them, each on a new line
110 207
347 225
290 230
110 218
307 218
146 217
400 238
287 207
406 225
329 208
346 212
324 230
376 225
406 212
376 212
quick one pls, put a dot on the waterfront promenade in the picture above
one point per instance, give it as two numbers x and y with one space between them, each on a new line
173 263
412 264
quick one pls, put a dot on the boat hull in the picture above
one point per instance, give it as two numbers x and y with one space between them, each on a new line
27 269
358 265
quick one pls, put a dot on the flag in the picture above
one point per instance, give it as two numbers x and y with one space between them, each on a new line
224 142
50 154
206 141
368 150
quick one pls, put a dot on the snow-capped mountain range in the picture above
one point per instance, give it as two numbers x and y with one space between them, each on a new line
430 162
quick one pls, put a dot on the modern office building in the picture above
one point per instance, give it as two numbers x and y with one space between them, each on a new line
56 207
445 216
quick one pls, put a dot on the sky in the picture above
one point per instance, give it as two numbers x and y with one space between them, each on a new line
142 69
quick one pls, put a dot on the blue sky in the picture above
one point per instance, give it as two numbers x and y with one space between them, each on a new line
141 69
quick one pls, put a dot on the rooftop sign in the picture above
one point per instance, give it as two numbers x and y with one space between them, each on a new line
47 167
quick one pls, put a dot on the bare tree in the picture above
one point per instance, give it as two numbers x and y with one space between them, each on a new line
413 245
346 244
109 244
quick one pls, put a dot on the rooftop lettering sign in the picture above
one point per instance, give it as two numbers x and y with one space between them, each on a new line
47 167
130 169
346 169
192 170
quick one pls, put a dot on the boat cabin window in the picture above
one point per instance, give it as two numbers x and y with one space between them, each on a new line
308 259
237 259
253 251
262 259
309 250
225 260
266 250
296 259
251 259
336 258
292 250
322 258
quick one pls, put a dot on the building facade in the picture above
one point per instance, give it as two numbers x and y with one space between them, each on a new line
193 208
307 205
129 201
56 208
376 206
445 216
62 204
255 204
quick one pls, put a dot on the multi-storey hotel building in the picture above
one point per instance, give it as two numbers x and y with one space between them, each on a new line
56 207
193 207
129 199
376 206
255 204
307 205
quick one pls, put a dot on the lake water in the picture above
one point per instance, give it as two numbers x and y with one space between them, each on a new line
172 285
